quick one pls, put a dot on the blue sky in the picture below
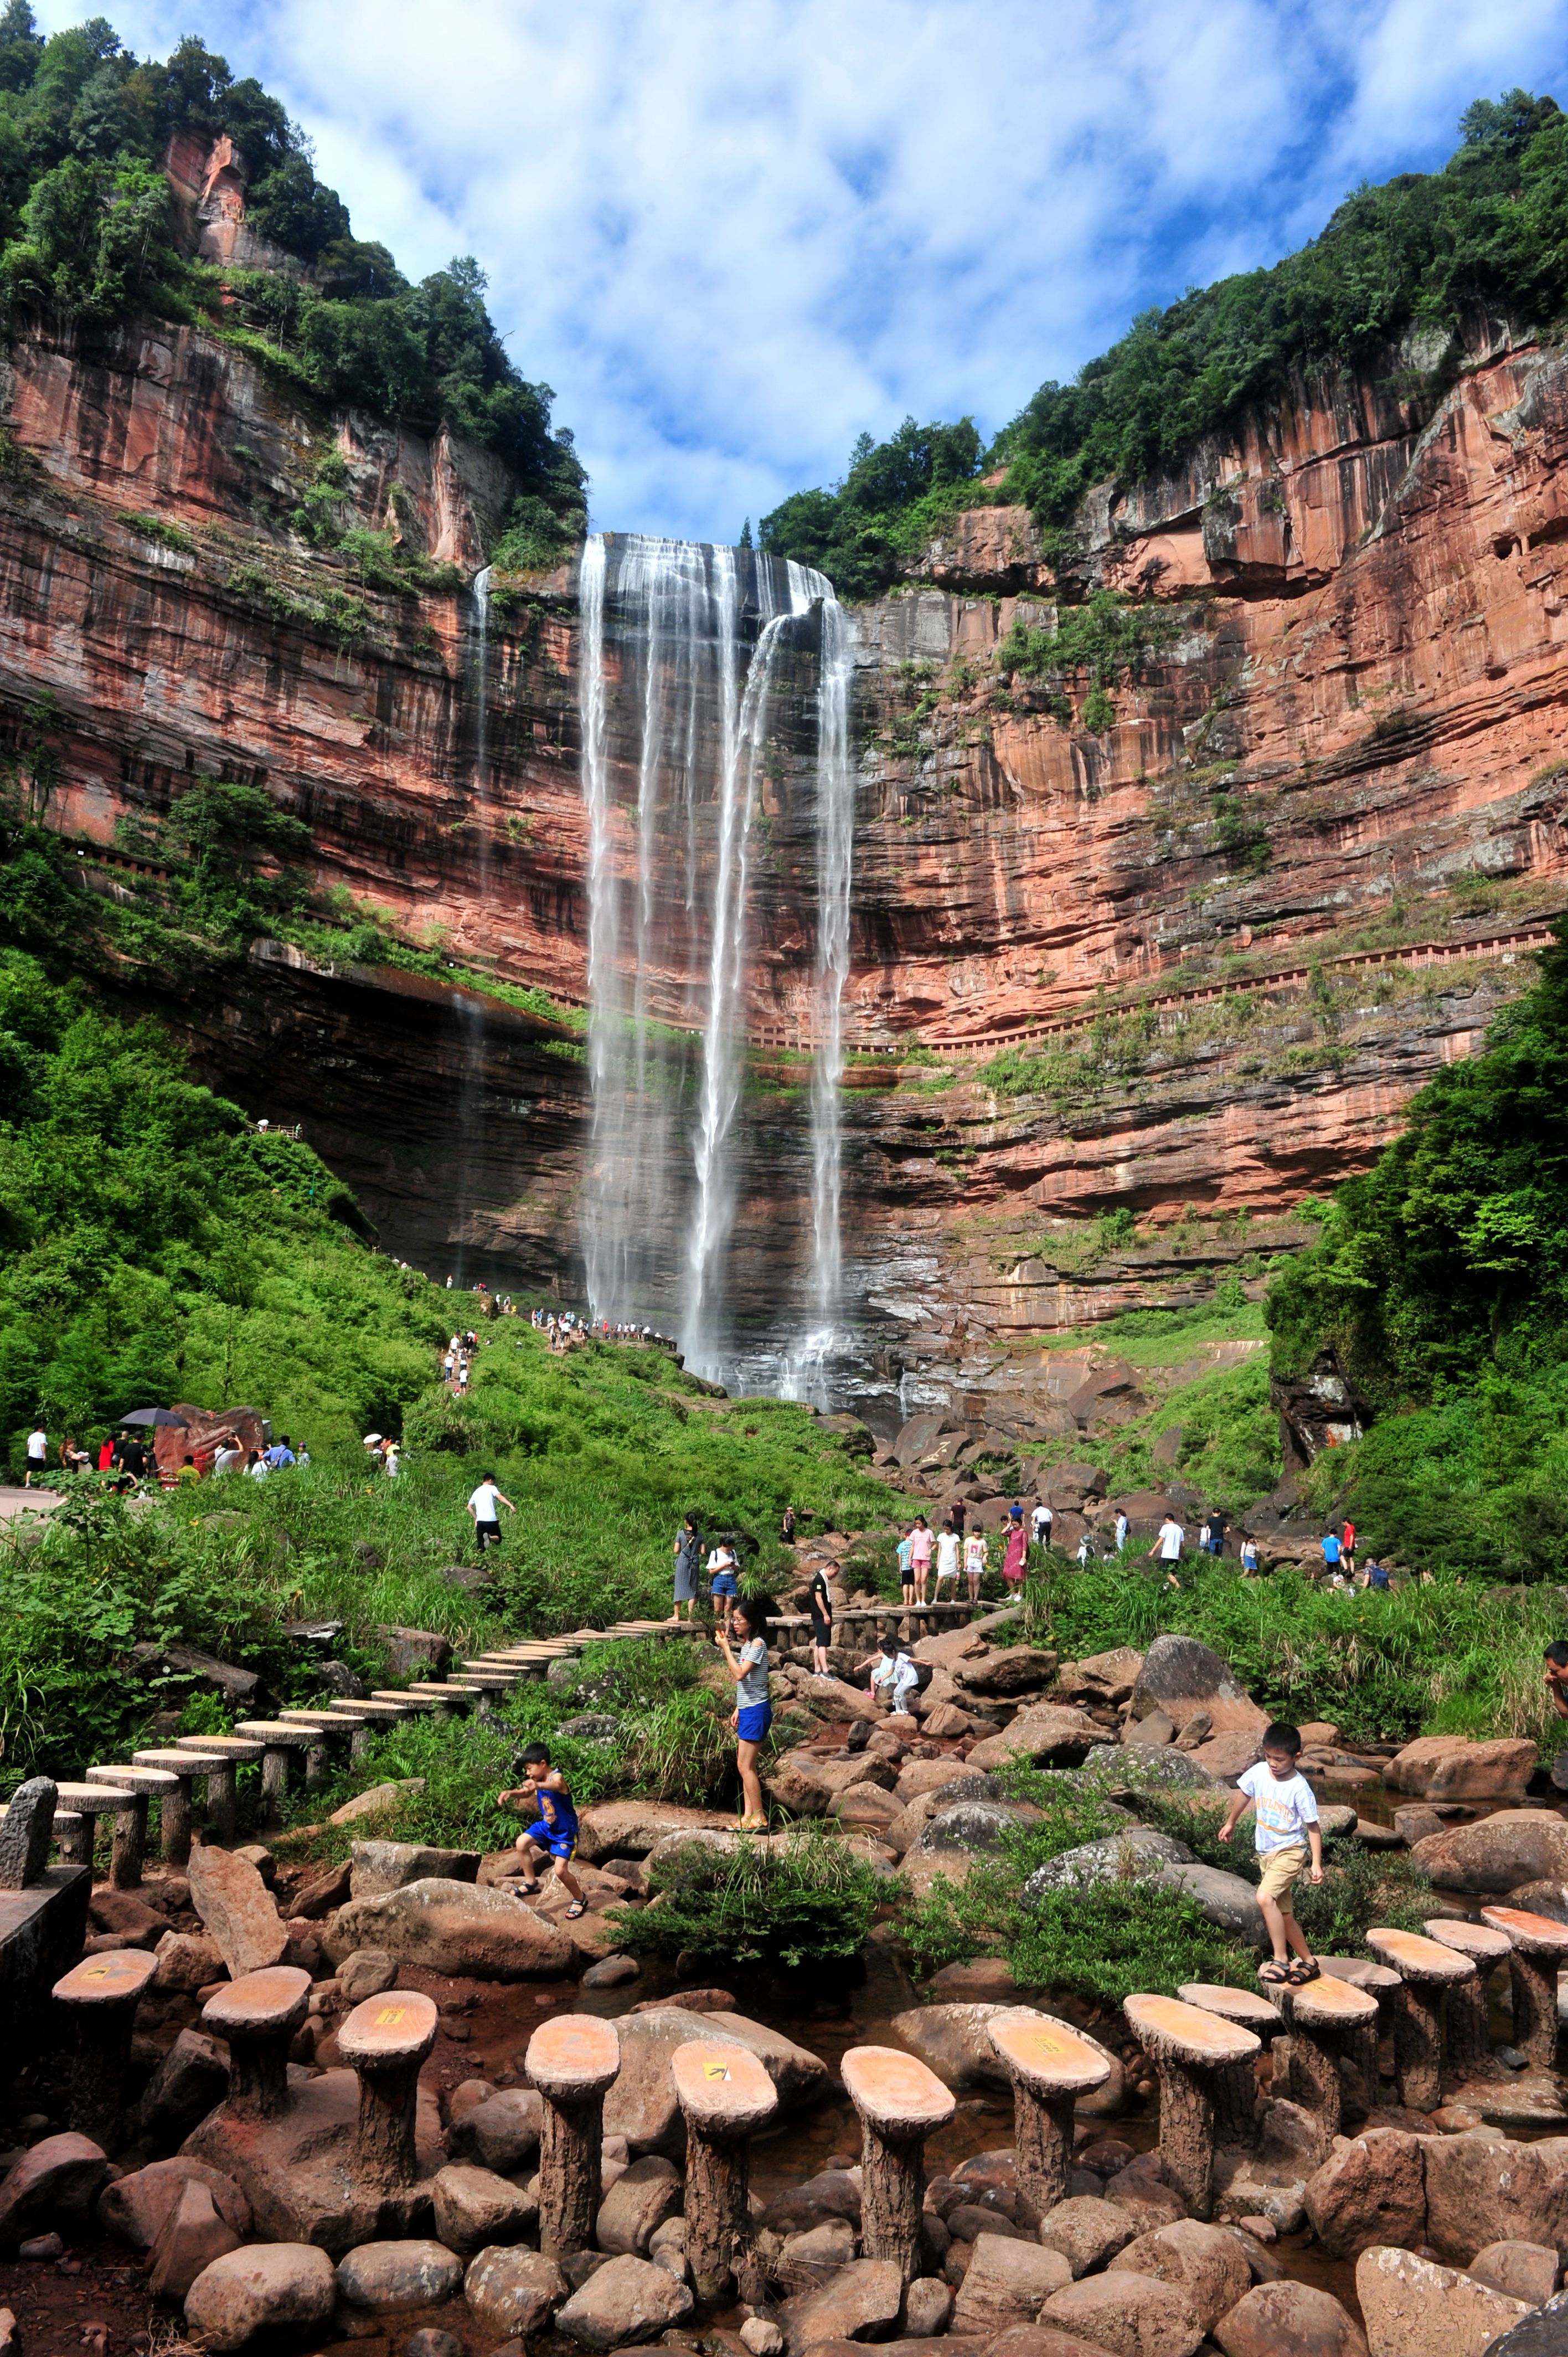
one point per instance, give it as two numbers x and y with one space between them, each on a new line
732 236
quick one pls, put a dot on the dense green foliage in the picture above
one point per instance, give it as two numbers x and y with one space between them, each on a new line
1425 251
1095 646
863 531
807 1899
89 229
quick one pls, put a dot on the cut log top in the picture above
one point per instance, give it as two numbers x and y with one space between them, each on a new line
367 1709
722 2087
1328 2004
1417 1960
1173 2032
328 1721
1532 1935
272 1999
234 1750
1049 2057
402 1694
397 2028
894 2094
271 1732
140 1777
1360 1972
117 1977
1476 1940
182 1764
574 2057
95 1799
1242 2006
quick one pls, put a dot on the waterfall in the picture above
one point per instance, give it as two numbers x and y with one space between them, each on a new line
683 652
470 1012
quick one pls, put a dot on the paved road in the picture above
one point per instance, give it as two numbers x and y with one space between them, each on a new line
25 1502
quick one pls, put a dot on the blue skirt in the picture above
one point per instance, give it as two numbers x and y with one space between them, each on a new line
753 1722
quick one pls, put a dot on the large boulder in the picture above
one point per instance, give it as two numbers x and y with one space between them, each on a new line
1485 2188
500 2132
1544 2333
1498 1853
1414 2308
1180 1676
1290 2320
513 2292
630 1828
1111 1858
641 2104
271 2288
918 1776
192 2235
862 2301
1128 2315
1228 1900
238 1910
625 2301
1228 1754
638 2202
136 2207
1208 2262
381 1866
1457 1768
453 1929
475 2208
1007 2281
59 2177
1045 1733
963 1825
834 2194
1526 2271
1369 2192
954 2041
389 2279
1088 2230
192 2077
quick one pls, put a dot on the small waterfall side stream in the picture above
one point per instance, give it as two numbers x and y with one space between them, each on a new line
470 1011
691 663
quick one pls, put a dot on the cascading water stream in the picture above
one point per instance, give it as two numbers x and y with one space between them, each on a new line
683 649
471 1010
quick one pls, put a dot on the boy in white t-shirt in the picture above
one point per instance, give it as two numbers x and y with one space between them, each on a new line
1286 1829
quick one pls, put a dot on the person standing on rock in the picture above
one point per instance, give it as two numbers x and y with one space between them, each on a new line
921 1543
822 1609
1015 1558
1331 1551
787 1527
1040 1522
724 1585
557 1816
688 1553
483 1504
1121 1532
907 1567
1285 1828
753 1712
976 1562
946 1559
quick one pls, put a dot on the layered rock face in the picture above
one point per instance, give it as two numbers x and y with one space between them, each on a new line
1345 744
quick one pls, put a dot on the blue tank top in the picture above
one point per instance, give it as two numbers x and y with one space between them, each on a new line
558 1810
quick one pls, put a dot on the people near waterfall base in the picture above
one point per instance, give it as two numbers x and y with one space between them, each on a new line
724 1586
688 1553
1285 1830
557 1836
1556 1659
820 1605
484 1504
907 1567
753 1711
948 1552
976 1561
1040 1521
1015 1557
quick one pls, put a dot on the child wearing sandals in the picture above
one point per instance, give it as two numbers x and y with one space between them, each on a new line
558 1826
1286 1829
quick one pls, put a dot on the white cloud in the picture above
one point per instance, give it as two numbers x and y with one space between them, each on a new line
732 237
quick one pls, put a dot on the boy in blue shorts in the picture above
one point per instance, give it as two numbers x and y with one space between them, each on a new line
557 1839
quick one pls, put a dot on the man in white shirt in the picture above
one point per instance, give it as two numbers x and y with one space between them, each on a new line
1169 1545
1040 1522
482 1505
38 1455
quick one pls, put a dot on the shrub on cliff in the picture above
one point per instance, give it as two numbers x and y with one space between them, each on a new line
894 497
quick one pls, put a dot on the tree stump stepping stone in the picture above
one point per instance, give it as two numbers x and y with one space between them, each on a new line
1427 1968
279 1740
725 2097
1050 2067
185 1767
1236 2085
100 1996
87 1803
385 2039
235 1751
1325 2017
327 1725
1466 2026
900 2102
258 2015
1538 1950
131 1826
573 2062
1188 2048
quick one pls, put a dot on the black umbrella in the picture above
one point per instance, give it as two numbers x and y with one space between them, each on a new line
156 1416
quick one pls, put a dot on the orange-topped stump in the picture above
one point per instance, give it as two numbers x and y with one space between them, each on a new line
100 1996
1466 2026
234 1751
185 1767
1188 2049
385 2040
1328 2016
573 2062
258 2015
1427 1968
1538 1949
726 2096
1050 2066
900 2104
1235 2085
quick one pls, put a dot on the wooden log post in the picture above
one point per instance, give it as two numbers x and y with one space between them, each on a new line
222 1802
1539 1948
900 2104
385 2040
258 2016
327 1727
726 2096
573 2062
1324 2016
1467 2023
99 1996
1236 2084
91 1801
367 1718
1050 2066
1188 2049
1425 1969
129 1852
1361 2046
279 1740
184 1766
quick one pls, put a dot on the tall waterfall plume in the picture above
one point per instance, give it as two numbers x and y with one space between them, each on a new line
686 657
469 1010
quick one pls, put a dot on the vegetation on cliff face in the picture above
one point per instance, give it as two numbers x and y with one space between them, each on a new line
89 229
1409 263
